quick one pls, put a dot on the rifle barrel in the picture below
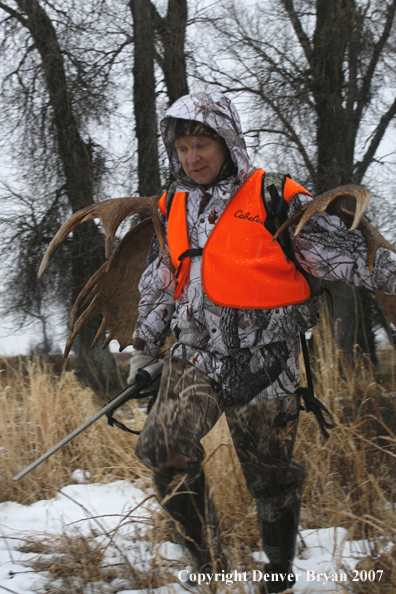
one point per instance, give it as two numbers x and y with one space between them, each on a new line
122 395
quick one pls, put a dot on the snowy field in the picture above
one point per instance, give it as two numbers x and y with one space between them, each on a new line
117 514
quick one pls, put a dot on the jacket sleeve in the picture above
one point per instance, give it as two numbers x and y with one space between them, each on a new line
326 249
156 305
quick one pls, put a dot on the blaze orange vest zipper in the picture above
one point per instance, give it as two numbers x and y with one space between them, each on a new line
242 267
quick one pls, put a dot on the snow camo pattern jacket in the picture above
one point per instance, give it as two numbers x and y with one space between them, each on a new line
253 354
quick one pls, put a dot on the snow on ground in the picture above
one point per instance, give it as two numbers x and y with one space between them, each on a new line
103 507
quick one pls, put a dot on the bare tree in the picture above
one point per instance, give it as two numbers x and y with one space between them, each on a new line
49 95
318 81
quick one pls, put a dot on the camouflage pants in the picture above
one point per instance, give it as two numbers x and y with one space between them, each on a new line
187 408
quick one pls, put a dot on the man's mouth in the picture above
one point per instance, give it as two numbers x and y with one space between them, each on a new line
199 170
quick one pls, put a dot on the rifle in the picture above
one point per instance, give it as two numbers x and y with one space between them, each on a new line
144 378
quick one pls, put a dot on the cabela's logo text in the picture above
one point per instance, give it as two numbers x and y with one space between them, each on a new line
246 216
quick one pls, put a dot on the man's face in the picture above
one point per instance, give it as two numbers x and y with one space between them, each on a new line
201 157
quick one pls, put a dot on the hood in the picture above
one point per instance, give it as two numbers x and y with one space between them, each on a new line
218 112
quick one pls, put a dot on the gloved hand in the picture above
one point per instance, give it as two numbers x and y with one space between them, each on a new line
137 361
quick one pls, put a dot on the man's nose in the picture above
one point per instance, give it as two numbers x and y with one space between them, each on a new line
193 156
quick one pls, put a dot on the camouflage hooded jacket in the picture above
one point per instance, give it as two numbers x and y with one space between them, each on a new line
253 354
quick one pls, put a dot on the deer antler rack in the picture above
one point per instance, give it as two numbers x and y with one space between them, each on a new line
331 202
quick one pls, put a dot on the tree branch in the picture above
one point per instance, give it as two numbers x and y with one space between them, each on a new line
294 137
364 94
298 28
353 60
158 21
362 167
16 15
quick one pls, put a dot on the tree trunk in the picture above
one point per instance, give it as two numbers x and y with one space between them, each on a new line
144 98
352 319
335 160
98 368
336 138
172 32
365 333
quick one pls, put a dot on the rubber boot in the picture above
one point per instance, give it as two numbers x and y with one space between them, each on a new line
279 543
188 506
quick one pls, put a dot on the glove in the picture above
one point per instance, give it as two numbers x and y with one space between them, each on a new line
137 361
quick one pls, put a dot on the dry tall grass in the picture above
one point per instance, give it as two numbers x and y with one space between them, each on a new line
37 410
351 478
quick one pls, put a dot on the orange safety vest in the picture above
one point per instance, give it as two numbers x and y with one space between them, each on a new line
242 267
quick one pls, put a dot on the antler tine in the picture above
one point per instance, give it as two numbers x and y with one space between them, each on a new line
373 237
295 218
62 233
330 201
111 213
85 295
85 317
114 212
334 198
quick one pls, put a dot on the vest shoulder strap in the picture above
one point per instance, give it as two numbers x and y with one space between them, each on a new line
170 194
275 204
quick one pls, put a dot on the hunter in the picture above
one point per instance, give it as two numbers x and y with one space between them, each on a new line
236 305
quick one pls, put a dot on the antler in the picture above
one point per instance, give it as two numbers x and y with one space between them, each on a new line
373 237
388 302
331 202
111 213
113 290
